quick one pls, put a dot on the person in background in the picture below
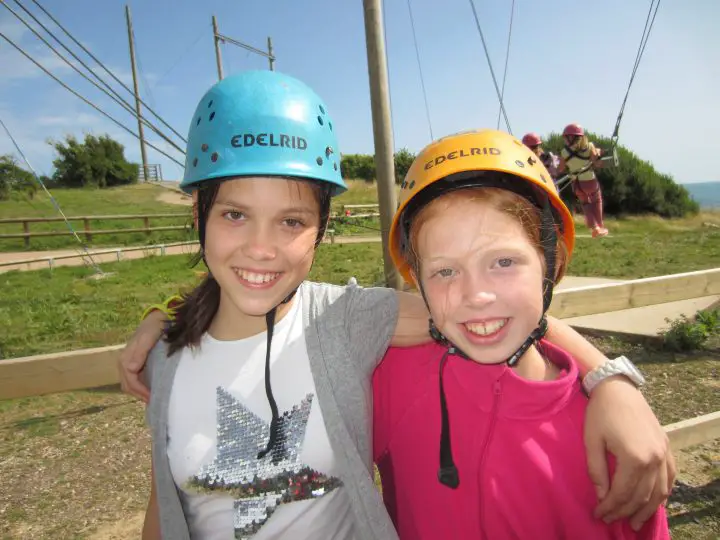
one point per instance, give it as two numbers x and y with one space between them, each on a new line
579 158
550 160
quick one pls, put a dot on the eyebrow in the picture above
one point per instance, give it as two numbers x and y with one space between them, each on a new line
492 250
288 210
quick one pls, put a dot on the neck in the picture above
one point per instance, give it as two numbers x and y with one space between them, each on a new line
534 367
230 324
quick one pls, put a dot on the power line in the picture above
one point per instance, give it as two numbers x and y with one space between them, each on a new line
641 49
114 96
98 109
507 58
142 71
179 59
107 70
492 72
422 79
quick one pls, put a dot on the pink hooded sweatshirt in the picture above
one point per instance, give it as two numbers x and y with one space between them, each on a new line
517 444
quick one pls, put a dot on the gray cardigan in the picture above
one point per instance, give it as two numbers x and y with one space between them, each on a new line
347 331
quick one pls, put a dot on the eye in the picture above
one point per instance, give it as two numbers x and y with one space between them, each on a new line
505 262
445 273
294 223
233 215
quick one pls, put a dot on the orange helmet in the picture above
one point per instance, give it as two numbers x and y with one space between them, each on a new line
452 158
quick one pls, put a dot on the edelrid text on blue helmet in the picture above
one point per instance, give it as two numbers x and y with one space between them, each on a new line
262 123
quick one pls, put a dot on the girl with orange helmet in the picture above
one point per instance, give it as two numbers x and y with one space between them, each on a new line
498 451
579 158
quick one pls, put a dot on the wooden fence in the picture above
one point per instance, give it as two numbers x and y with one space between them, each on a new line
88 232
91 368
26 235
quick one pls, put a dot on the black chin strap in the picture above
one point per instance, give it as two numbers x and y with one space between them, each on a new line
270 322
275 422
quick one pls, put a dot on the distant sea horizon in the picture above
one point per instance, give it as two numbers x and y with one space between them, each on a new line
707 194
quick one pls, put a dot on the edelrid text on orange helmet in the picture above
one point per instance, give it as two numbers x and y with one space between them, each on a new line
473 152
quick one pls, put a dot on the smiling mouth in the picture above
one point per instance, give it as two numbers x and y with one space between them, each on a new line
257 278
486 328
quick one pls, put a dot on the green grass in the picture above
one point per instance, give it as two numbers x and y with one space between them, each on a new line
44 311
126 200
648 246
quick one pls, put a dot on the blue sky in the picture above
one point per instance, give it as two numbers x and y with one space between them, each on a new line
568 63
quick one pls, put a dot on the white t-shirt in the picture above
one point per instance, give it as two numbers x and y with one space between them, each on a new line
218 421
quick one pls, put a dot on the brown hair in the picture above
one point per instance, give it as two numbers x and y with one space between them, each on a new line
503 200
194 315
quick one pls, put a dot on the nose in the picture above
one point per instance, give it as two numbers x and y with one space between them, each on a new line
477 291
259 243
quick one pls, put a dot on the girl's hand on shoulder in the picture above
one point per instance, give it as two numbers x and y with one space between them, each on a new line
135 354
620 421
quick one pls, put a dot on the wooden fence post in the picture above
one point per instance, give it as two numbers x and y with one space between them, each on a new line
88 236
26 230
146 223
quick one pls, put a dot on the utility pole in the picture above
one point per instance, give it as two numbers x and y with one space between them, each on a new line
138 112
219 38
271 58
382 129
218 58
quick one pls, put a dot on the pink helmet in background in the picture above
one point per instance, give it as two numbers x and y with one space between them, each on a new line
573 129
532 139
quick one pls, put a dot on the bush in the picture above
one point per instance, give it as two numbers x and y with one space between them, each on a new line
634 187
362 166
687 334
14 179
97 162
403 160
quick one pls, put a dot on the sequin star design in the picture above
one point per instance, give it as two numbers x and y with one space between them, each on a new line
259 486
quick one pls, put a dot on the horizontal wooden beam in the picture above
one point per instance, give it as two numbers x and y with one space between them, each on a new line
594 299
59 372
93 368
94 232
694 431
369 205
91 218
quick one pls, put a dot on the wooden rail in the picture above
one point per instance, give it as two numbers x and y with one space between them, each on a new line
26 235
595 299
93 368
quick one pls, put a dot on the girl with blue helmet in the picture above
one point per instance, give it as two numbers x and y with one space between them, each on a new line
259 403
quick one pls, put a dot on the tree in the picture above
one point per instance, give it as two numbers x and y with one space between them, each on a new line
14 179
97 162
634 186
362 166
403 160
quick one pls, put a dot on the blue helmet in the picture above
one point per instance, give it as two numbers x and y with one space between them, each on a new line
262 123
